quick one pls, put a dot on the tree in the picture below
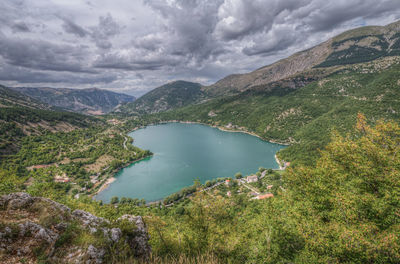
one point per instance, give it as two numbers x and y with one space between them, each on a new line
114 200
238 175
349 202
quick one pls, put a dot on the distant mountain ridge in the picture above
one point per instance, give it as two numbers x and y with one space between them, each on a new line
21 115
354 46
91 101
169 96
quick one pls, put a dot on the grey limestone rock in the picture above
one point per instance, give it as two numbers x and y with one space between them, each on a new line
139 243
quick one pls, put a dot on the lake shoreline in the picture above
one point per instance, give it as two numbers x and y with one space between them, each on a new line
112 178
279 163
106 184
222 128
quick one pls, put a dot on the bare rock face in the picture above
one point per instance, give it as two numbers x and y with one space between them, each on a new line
23 201
139 242
36 227
38 232
116 234
95 255
88 219
16 200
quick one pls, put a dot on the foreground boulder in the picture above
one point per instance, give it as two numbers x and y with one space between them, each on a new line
36 229
139 240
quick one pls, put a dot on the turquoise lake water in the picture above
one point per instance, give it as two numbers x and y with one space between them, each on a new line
184 152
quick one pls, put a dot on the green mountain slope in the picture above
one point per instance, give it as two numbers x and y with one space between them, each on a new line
11 98
89 101
354 46
21 115
172 95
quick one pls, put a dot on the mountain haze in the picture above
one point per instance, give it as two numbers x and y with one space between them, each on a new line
21 116
89 101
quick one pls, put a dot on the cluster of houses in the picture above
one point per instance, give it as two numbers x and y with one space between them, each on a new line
113 121
94 178
250 179
61 179
39 166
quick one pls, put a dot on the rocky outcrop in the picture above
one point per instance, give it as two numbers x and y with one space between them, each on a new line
33 228
139 241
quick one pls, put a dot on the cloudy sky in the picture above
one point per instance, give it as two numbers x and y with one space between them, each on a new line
132 46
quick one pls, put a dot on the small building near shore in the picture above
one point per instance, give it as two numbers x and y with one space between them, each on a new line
264 196
252 178
113 121
61 179
228 182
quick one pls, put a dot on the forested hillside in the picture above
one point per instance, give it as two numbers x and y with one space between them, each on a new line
169 96
21 116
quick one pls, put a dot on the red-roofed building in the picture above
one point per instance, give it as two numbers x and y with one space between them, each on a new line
228 182
264 196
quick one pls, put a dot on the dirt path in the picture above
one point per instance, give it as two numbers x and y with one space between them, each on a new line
249 187
125 140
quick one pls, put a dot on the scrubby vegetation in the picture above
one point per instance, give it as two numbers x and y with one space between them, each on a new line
362 49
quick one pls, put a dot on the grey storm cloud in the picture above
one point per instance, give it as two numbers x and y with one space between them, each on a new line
189 27
42 55
20 26
70 27
241 18
68 42
106 29
12 73
273 41
132 62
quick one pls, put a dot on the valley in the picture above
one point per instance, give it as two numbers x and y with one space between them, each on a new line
90 101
